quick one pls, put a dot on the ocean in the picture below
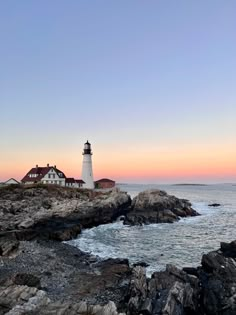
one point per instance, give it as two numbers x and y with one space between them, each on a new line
182 243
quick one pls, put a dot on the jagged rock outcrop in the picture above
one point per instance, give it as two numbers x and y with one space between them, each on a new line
207 290
54 212
156 206
170 292
218 280
137 290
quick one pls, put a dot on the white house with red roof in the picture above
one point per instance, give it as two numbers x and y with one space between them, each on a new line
50 175
45 175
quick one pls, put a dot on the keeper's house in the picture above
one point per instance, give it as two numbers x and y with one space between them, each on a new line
45 175
105 183
50 175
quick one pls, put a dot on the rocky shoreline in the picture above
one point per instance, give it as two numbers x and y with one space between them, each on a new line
41 275
48 277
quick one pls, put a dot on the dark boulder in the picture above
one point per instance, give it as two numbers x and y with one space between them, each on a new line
26 279
228 249
218 281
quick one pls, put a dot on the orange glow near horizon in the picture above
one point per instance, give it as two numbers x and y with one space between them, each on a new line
134 166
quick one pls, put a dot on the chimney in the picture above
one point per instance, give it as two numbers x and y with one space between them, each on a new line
37 166
47 165
55 166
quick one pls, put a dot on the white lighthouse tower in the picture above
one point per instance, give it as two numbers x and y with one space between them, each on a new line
87 169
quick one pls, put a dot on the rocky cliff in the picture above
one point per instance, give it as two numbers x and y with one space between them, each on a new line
58 213
53 212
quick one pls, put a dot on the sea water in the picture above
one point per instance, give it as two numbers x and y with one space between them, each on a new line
181 243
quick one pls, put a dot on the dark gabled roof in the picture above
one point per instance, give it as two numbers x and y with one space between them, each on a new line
40 172
71 180
59 173
80 181
104 180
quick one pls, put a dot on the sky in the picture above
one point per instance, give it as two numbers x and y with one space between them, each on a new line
151 84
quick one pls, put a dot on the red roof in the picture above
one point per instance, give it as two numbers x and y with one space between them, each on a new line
40 172
71 180
103 180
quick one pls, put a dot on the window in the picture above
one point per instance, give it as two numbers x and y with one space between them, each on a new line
53 175
49 175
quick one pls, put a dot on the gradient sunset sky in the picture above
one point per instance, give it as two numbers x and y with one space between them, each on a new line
151 84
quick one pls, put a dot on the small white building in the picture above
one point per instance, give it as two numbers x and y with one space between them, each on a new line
45 175
11 181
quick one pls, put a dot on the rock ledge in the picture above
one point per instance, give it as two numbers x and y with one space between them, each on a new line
156 206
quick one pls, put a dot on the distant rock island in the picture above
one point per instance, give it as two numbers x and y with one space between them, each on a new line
189 184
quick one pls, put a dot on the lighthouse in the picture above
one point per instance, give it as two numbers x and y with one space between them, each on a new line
87 169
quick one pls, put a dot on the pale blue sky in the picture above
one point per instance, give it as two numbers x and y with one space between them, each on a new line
120 73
